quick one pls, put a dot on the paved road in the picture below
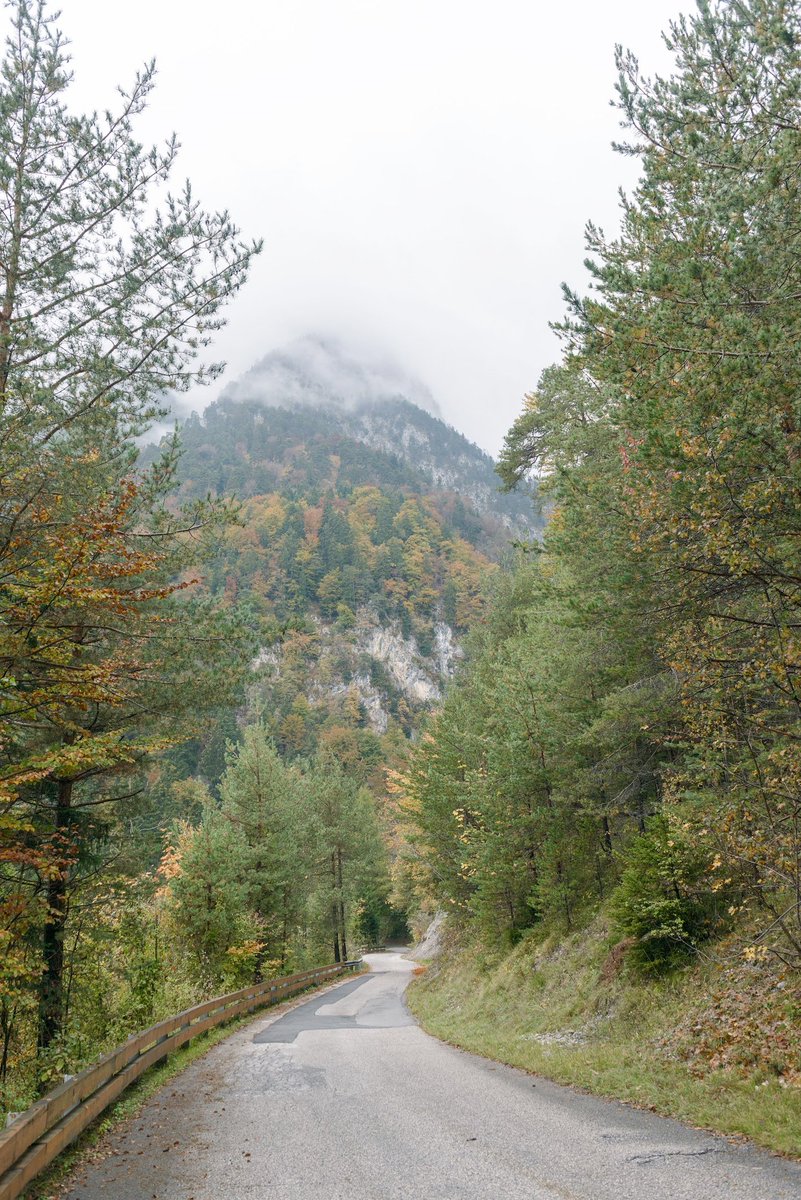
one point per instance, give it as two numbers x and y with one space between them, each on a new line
345 1098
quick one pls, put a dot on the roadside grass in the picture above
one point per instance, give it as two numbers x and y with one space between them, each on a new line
86 1148
567 1009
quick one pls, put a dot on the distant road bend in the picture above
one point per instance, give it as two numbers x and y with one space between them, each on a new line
345 1098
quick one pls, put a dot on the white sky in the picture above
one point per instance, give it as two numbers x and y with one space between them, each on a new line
421 172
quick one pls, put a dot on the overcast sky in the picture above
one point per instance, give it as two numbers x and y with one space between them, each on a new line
421 172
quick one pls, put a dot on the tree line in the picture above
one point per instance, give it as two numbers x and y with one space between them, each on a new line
627 731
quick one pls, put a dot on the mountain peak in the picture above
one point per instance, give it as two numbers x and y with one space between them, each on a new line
315 417
321 372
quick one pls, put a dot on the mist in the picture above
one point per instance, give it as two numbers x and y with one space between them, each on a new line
421 173
322 372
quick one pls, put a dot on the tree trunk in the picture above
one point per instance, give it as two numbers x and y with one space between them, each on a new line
560 875
335 928
7 1023
285 927
341 907
51 988
335 910
640 813
607 836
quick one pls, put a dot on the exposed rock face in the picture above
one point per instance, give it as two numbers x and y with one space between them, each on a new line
369 525
339 668
369 697
430 945
393 427
267 657
447 650
404 663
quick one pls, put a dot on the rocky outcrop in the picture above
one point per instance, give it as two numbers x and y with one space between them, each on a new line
344 662
402 659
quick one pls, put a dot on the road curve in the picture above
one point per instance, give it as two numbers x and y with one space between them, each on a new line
345 1098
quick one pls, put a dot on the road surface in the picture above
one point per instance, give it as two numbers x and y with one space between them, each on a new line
345 1098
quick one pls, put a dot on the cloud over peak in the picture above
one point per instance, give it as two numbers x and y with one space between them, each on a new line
322 372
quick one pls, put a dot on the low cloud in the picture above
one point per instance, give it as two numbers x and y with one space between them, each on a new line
322 372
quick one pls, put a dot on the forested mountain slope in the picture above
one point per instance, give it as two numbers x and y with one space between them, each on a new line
259 835
367 405
366 533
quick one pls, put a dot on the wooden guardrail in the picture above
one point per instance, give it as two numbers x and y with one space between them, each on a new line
38 1135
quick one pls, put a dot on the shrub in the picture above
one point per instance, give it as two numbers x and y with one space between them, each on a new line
668 899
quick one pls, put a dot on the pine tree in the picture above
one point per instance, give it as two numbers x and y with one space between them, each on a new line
264 800
110 292
349 857
209 896
693 323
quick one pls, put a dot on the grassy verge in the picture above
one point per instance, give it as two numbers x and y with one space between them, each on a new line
49 1184
713 1045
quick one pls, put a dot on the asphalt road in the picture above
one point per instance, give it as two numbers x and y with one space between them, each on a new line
345 1098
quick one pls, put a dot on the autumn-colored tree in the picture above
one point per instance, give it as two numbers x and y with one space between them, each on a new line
107 300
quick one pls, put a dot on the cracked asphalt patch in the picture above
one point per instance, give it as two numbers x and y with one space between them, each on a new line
647 1158
345 1098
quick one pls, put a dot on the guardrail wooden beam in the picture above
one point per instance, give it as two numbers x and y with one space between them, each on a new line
38 1136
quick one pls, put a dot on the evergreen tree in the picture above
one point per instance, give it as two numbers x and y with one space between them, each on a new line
107 300
349 859
264 800
693 323
209 894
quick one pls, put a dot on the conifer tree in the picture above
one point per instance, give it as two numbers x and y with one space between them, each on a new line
693 322
111 288
208 893
264 800
348 854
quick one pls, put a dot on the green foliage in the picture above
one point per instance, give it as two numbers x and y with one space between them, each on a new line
654 666
263 800
112 290
625 731
666 898
544 760
250 449
350 866
209 894
301 555
281 873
